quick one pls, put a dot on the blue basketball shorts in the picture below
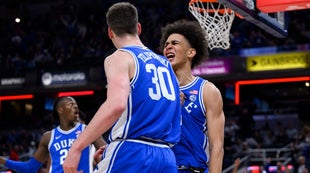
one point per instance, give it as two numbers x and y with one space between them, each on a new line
128 156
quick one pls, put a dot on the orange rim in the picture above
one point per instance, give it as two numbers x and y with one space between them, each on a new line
221 11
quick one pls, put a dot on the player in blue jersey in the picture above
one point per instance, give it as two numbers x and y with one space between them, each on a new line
202 134
142 108
55 144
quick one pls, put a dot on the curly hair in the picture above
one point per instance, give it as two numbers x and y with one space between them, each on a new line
195 35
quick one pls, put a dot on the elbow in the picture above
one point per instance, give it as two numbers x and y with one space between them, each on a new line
121 105
116 103
118 107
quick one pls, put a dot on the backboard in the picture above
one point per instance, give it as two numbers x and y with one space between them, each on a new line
273 23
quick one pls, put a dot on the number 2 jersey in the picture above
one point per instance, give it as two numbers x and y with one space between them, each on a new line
154 108
59 146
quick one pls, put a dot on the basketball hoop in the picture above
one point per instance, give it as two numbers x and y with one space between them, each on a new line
216 19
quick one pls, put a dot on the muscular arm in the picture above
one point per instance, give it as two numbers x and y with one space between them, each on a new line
117 72
215 121
42 152
117 68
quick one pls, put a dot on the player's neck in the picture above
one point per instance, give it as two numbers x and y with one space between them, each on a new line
184 76
68 126
128 40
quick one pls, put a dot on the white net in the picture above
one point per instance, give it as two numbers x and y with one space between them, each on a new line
216 19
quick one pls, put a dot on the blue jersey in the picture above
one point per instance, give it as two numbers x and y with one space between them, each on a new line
192 150
59 146
153 109
142 136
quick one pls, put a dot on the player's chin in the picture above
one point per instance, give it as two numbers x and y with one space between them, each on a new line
171 60
76 120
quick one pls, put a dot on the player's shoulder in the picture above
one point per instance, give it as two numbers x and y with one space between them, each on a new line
46 137
209 84
119 52
47 133
210 88
118 56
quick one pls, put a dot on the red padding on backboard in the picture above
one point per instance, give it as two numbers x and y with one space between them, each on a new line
271 6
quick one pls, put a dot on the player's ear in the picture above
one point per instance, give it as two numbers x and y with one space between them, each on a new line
191 53
60 110
139 28
110 33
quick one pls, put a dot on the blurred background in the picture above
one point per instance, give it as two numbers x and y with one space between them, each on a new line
53 48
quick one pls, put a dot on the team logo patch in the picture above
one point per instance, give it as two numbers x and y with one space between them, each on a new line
78 132
192 98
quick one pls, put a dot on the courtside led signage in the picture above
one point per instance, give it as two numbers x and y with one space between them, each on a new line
279 61
50 79
238 84
214 66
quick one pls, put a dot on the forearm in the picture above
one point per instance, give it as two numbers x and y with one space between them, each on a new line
216 160
100 123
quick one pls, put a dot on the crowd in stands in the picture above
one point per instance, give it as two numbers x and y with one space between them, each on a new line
68 31
245 137
241 137
240 142
19 144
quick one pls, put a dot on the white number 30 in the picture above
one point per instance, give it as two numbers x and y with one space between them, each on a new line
163 85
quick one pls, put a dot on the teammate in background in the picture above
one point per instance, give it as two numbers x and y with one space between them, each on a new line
142 106
55 144
202 133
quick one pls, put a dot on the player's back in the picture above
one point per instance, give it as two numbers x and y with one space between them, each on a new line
153 111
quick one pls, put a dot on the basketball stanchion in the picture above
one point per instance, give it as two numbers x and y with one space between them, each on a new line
216 19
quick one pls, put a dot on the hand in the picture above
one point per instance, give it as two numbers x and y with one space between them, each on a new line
2 161
98 154
237 162
71 162
182 97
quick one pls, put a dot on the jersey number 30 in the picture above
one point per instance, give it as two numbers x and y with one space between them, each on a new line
162 81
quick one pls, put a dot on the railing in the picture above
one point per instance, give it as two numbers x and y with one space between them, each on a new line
271 155
243 161
263 156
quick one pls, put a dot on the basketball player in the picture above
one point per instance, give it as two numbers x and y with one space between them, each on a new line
55 144
202 133
142 106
